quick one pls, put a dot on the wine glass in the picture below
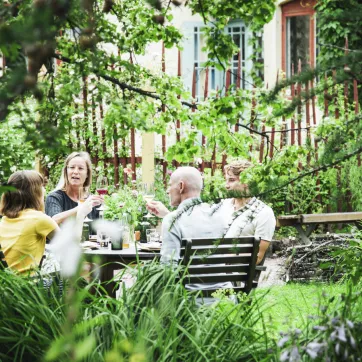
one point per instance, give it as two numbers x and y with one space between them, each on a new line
148 191
102 189
83 195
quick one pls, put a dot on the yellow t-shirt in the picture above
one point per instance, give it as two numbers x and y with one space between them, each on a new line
23 239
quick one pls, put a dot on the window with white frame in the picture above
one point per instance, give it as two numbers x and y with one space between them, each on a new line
194 58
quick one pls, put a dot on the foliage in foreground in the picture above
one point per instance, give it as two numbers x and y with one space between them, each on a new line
154 320
157 319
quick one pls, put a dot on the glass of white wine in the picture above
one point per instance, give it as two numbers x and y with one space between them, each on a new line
148 191
83 195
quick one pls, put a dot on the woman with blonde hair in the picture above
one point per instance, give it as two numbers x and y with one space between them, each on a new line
76 175
24 226
245 215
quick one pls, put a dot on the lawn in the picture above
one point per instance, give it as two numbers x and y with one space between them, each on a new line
291 306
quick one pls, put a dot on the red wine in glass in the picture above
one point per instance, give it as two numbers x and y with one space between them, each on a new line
102 188
102 191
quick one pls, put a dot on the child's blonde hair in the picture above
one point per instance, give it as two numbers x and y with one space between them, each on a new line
28 193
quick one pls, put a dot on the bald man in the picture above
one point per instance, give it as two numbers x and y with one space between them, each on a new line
191 219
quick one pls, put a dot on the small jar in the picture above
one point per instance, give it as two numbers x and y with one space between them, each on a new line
85 232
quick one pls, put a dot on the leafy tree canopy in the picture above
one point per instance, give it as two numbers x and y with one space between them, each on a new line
97 42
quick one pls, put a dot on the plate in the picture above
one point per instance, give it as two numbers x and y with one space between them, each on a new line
89 245
149 246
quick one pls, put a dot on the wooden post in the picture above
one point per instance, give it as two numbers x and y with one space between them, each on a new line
77 130
314 116
95 132
336 112
271 150
85 109
292 122
115 156
133 154
164 163
346 114
282 134
356 110
193 91
252 116
203 140
223 162
272 137
307 117
326 111
238 76
228 81
178 123
299 107
103 133
124 161
262 142
148 157
213 161
345 82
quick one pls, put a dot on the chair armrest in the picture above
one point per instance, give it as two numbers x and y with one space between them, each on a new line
260 268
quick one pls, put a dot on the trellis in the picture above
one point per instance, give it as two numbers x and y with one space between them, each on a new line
294 126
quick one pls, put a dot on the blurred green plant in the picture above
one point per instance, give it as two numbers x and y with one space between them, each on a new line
126 204
334 334
155 319
347 260
214 187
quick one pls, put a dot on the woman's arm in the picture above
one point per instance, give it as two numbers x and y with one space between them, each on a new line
54 208
62 216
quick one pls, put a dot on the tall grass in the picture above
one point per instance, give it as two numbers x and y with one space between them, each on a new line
158 320
30 318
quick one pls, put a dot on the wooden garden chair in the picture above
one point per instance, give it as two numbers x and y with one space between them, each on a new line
221 260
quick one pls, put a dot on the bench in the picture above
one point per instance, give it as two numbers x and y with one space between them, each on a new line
219 261
307 223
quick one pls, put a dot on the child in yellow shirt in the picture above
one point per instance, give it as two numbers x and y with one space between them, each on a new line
24 226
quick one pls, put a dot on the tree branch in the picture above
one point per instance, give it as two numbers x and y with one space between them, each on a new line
314 170
337 47
122 85
262 134
290 130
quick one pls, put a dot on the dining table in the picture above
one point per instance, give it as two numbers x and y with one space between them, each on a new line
108 261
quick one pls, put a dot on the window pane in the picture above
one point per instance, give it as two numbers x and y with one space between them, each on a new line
196 46
213 82
297 43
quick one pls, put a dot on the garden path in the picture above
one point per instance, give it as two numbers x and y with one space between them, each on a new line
274 273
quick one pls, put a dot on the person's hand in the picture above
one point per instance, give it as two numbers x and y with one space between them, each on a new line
157 208
96 200
263 247
260 258
85 208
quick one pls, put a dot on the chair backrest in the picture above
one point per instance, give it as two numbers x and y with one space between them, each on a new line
221 260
